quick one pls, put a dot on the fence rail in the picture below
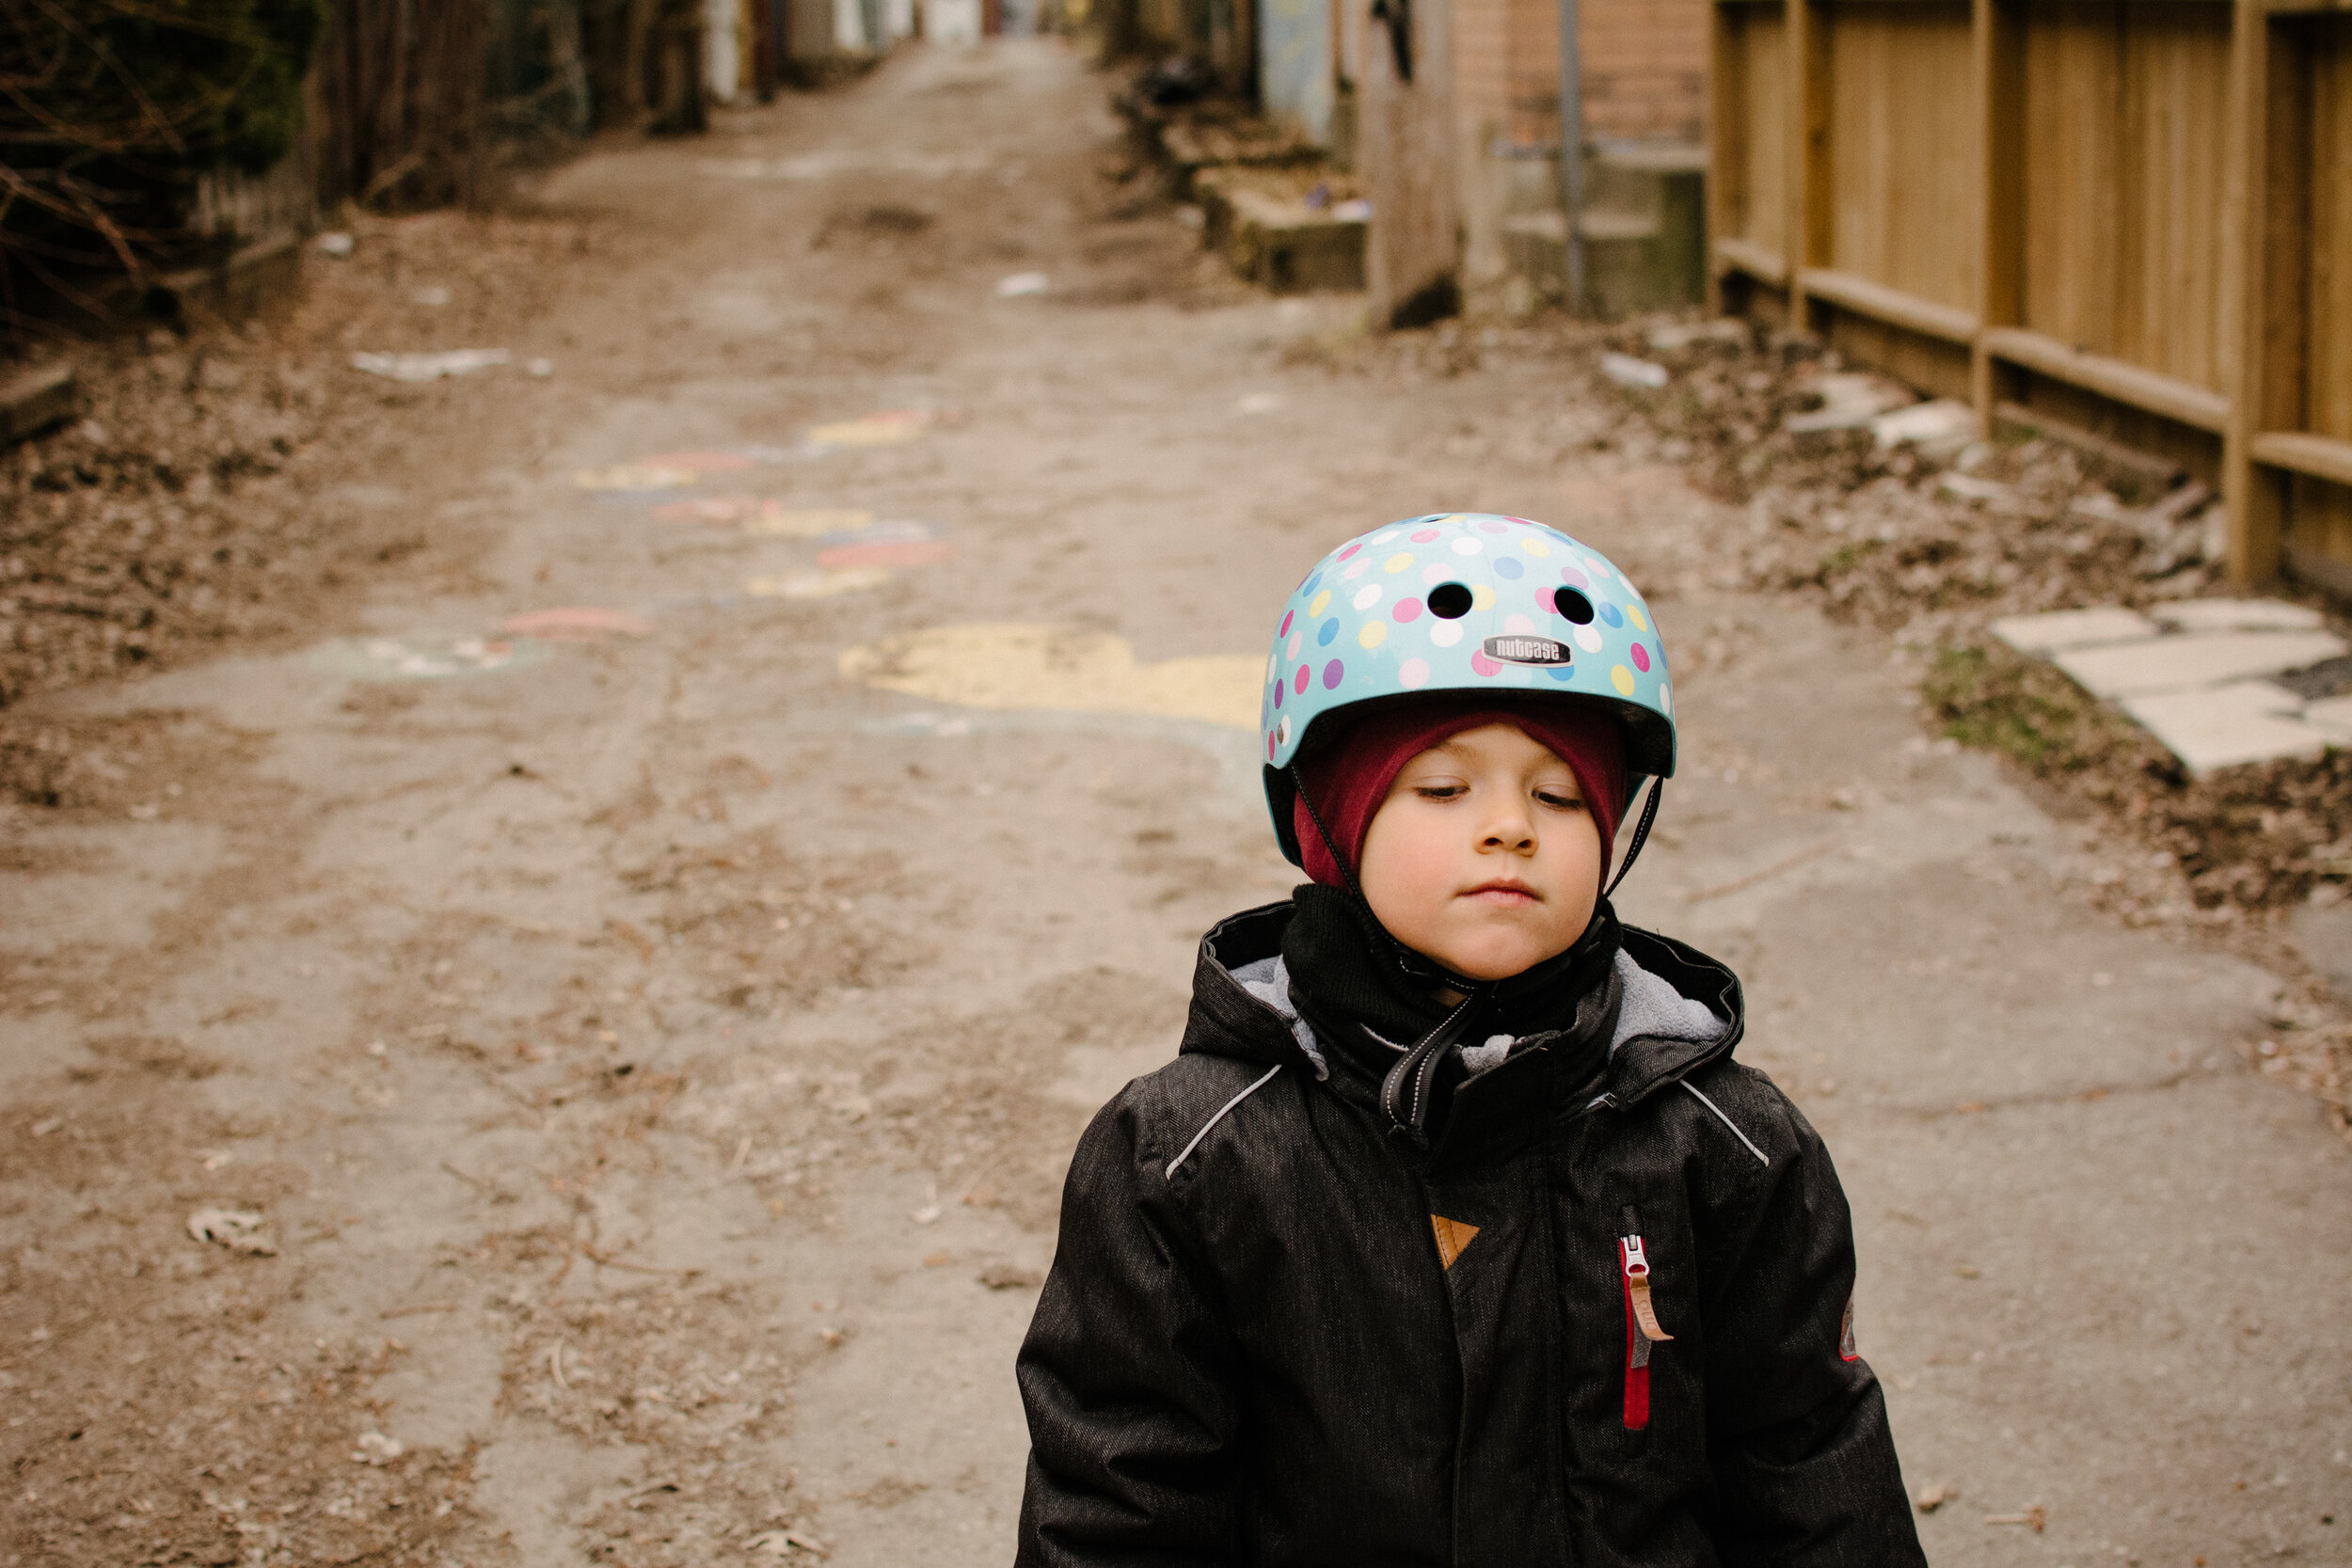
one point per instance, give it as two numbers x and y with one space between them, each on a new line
2131 217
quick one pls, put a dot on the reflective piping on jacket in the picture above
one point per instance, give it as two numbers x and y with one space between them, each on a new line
1702 1100
1227 1106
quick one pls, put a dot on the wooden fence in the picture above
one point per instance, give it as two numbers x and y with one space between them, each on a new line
2129 217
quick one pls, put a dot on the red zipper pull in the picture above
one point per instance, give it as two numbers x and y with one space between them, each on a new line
1641 1331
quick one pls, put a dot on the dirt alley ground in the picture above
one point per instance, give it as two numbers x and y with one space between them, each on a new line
651 1047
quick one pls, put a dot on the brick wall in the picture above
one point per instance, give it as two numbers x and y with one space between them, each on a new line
1644 67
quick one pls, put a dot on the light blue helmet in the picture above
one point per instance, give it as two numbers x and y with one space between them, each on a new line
1493 607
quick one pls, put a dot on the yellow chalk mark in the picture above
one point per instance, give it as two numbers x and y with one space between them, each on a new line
1014 665
809 523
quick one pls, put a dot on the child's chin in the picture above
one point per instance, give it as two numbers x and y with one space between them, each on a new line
1492 961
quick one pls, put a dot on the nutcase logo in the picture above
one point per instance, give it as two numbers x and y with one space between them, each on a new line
1529 650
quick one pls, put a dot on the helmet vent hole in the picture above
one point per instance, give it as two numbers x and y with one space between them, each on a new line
1450 601
1573 606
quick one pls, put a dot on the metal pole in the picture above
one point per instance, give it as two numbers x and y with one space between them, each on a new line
1572 152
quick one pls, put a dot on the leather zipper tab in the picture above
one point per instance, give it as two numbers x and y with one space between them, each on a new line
1637 1290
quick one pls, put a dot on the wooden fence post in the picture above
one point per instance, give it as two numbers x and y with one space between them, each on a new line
2000 70
2252 498
1809 153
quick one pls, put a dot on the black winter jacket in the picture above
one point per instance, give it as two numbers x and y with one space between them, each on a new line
1308 1344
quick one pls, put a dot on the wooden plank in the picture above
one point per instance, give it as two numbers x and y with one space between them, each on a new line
2328 325
1900 164
2298 451
2166 395
1405 150
2264 289
1726 134
1807 191
1737 255
2125 142
1998 61
1876 300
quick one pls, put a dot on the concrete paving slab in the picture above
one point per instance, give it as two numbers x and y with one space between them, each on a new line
2212 615
2072 628
2222 726
2180 663
2332 714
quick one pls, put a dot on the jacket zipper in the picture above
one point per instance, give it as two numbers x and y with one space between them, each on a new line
1640 1329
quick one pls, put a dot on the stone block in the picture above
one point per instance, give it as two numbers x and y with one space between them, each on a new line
2179 663
1272 237
2223 726
2208 615
35 400
2332 714
2072 628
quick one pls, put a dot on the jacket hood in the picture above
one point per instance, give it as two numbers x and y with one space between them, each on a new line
1680 1010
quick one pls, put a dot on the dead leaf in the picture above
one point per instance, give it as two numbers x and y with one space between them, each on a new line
1006 1276
238 1230
1935 1495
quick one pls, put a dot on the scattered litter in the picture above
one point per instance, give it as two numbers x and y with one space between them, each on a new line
581 623
335 244
1006 1276
238 1230
1941 427
905 553
1969 487
1355 210
815 585
47 1124
783 1542
1935 1495
2032 1518
1626 370
540 368
1020 284
1674 336
886 428
927 1215
1259 402
432 295
376 1448
430 367
1850 400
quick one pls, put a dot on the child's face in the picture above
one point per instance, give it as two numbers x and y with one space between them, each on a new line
1482 856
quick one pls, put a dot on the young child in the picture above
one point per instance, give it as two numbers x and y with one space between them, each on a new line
1453 1234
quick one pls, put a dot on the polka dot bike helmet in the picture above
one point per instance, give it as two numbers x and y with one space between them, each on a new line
1493 607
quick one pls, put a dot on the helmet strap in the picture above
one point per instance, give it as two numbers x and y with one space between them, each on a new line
1640 836
1416 966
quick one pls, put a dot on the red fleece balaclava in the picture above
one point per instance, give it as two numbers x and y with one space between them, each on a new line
1348 781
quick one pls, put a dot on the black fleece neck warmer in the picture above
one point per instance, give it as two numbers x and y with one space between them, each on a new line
1349 980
